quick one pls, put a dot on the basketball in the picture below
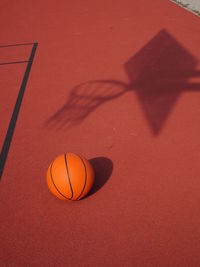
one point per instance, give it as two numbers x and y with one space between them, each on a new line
70 177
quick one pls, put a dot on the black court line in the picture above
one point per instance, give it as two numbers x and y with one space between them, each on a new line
11 128
13 45
13 62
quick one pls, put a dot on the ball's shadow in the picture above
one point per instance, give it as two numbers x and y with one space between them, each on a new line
103 168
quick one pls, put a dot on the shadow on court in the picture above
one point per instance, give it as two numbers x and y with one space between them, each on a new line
103 168
159 73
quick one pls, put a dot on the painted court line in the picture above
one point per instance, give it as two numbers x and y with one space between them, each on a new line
11 128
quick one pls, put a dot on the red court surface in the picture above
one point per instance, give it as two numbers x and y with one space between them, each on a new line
117 82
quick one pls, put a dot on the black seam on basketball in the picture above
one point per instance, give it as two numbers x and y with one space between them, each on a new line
68 176
55 185
85 179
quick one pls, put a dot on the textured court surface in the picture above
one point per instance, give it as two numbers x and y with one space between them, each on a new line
118 83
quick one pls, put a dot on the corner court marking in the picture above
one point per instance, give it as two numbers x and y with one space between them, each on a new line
13 120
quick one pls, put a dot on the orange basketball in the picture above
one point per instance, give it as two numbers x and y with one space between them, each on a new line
70 177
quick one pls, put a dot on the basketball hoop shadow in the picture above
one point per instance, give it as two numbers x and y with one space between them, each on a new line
159 73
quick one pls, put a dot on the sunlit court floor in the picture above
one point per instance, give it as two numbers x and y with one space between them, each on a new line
117 82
